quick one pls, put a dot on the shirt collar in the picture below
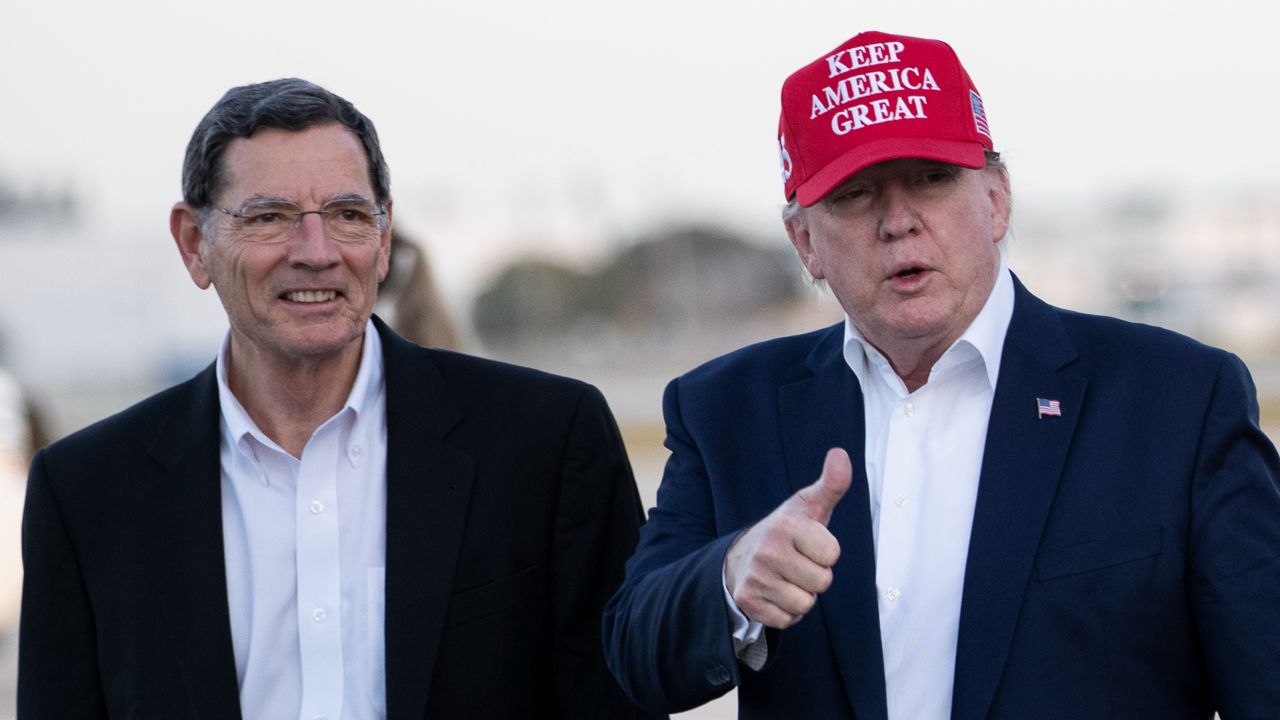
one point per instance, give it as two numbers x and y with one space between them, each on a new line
236 421
985 334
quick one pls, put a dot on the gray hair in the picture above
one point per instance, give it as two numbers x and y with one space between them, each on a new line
287 104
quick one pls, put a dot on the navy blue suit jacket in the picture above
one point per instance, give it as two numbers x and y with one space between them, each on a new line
1123 560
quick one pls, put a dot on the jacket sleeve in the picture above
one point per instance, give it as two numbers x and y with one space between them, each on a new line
57 651
598 518
1234 556
667 630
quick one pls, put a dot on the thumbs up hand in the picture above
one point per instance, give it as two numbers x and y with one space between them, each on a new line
775 570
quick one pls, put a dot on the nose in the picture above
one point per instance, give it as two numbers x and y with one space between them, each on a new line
311 245
897 213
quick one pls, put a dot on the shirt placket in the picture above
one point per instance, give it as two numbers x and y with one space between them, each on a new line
899 530
319 583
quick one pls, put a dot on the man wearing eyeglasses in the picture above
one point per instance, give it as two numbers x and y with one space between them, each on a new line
328 522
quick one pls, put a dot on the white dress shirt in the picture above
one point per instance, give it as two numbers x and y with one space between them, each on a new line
923 458
305 544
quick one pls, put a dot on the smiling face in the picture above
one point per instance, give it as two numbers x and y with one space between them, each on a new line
909 249
304 294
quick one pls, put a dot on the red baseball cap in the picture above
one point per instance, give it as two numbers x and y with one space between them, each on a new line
873 98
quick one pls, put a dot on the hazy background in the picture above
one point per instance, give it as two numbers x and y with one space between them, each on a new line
628 149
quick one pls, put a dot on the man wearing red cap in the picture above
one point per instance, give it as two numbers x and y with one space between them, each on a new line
1018 511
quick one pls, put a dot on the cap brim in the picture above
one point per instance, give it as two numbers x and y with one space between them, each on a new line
964 153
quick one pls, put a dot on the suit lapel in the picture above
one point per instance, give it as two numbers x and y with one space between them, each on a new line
819 413
1021 466
180 521
428 491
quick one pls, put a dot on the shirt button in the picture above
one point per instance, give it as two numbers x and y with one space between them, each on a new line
355 450
893 594
319 614
900 501
317 507
909 409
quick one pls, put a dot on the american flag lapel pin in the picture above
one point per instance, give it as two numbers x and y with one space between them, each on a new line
1048 407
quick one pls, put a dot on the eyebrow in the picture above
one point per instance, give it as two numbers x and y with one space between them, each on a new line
347 198
259 200
280 201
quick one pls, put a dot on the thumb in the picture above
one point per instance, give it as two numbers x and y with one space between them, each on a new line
819 499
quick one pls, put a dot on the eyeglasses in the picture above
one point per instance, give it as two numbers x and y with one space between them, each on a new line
344 220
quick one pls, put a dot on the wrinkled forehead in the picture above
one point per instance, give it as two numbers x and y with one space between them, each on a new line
305 166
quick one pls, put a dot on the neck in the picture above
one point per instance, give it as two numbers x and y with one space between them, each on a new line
288 398
913 364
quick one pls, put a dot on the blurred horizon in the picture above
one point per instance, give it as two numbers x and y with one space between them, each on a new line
597 186
565 130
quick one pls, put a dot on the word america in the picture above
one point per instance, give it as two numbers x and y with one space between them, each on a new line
870 84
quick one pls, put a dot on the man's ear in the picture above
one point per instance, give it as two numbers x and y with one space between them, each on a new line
798 232
184 224
1001 202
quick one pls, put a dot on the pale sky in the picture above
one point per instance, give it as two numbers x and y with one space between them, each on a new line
635 107
511 125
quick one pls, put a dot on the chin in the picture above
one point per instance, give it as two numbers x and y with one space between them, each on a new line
318 342
916 325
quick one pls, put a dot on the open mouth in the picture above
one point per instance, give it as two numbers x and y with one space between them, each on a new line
908 272
310 296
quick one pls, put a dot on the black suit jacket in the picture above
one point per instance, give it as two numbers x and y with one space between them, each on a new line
1124 560
510 511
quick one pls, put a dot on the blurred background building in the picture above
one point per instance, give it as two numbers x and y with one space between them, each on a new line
595 188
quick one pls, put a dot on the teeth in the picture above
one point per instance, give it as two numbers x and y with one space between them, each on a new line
311 296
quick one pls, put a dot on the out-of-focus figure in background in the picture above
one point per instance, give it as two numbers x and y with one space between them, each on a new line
409 299
15 446
22 433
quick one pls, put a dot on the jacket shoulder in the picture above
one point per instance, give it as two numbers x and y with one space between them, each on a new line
1115 341
461 367
129 429
482 381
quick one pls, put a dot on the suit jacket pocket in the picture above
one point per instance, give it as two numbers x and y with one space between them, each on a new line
492 597
1098 554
